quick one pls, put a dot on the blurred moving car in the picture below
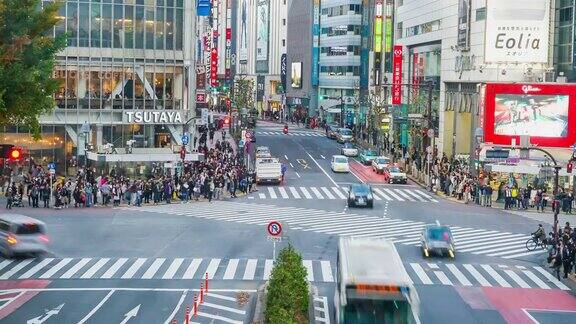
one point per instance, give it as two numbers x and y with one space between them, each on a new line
339 163
332 131
380 163
349 150
394 174
20 234
437 239
360 194
366 156
344 135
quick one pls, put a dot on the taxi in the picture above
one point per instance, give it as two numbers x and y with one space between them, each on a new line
339 163
437 239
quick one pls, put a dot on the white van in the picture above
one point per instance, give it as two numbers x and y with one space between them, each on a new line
20 234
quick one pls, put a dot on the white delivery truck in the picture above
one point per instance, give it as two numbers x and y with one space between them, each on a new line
268 170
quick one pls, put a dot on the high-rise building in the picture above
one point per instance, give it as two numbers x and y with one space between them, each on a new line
126 81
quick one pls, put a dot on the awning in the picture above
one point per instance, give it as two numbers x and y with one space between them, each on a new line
143 157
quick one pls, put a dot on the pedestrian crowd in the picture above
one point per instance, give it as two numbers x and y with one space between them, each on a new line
563 252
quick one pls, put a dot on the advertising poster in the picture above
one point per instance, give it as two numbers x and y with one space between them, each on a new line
262 17
540 111
283 71
243 46
397 75
315 43
517 31
296 81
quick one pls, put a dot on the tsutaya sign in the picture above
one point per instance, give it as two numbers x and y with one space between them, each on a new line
517 31
153 117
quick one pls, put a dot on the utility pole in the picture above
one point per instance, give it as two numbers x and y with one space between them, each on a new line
342 110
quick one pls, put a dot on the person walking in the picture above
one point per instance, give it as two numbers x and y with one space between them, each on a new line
10 192
566 260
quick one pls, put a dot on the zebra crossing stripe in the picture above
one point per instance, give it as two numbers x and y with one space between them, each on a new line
174 266
56 268
317 193
516 278
443 278
283 193
400 192
522 254
308 265
421 273
306 193
326 271
268 265
551 278
231 269
272 193
212 267
414 195
477 275
294 192
328 193
459 275
36 268
92 271
15 269
250 270
393 194
535 279
338 193
506 246
463 237
496 276
262 196
114 268
149 274
381 193
192 268
72 271
376 197
4 264
135 267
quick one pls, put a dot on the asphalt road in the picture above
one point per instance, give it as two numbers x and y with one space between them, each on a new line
143 265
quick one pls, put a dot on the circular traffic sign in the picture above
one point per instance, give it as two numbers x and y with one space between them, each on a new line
248 135
274 228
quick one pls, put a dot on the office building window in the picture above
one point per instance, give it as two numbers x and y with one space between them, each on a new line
481 14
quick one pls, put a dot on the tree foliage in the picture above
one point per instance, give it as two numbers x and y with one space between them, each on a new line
287 300
27 58
243 93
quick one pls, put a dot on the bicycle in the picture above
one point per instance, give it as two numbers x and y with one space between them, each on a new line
533 243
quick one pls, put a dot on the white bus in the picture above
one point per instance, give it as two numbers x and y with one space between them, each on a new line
373 285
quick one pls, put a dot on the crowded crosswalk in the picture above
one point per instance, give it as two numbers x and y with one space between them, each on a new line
153 268
484 275
340 193
476 241
291 133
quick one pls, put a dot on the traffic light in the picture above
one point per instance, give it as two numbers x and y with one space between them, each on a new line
11 152
226 121
183 152
569 167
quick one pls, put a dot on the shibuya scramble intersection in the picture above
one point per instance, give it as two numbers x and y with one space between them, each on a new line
290 161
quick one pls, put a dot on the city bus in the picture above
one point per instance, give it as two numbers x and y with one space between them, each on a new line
372 284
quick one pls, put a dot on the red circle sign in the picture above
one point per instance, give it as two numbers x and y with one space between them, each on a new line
274 228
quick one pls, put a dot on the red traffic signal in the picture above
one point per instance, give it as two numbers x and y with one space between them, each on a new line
11 152
226 121
569 167
183 153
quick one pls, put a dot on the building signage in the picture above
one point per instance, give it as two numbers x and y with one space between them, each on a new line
214 67
464 63
243 46
283 71
262 36
397 75
260 87
517 31
315 71
228 72
464 25
378 27
153 117
200 97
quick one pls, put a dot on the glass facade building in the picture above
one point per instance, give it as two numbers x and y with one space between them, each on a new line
121 56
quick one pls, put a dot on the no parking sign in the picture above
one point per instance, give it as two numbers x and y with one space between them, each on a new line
274 228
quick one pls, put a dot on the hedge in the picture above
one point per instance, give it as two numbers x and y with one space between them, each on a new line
287 299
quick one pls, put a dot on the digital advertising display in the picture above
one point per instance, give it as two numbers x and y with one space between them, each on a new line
540 111
296 76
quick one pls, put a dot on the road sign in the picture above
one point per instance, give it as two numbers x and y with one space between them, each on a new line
241 143
51 166
52 171
185 139
274 228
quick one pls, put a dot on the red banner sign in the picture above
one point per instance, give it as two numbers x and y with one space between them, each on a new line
397 75
214 68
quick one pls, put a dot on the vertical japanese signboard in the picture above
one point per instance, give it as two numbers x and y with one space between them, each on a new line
214 67
315 43
397 75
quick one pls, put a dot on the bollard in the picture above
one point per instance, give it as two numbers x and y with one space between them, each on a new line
206 281
195 305
201 293
187 319
174 321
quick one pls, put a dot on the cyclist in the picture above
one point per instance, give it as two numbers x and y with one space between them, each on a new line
540 234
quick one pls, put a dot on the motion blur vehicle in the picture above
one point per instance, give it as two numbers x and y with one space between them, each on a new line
366 156
332 131
437 239
372 285
20 234
263 152
360 195
380 164
344 135
349 150
394 174
339 163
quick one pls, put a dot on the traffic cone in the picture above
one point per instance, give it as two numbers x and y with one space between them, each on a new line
187 319
174 321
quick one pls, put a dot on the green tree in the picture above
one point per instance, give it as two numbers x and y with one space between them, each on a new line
243 93
287 300
27 58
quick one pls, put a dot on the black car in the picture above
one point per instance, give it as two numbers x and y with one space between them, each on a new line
332 130
437 239
360 195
